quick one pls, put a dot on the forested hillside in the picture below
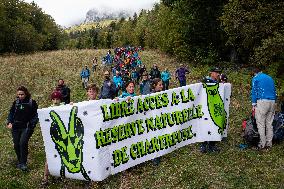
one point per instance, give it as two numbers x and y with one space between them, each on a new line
25 27
246 32
206 32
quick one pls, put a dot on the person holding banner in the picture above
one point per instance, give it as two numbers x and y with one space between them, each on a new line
22 120
157 86
129 87
92 91
56 98
214 76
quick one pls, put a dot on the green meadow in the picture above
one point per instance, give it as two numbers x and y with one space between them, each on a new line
183 168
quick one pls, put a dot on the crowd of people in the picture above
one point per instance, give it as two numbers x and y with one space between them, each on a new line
125 72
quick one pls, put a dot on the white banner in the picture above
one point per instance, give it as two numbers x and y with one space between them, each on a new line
94 139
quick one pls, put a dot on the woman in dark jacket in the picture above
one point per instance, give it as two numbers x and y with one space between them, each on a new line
22 120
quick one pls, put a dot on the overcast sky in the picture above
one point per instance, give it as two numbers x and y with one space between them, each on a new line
69 12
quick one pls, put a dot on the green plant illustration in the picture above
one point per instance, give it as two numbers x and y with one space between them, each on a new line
69 143
216 106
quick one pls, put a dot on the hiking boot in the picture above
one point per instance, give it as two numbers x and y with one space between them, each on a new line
257 148
19 166
243 146
23 167
267 148
44 182
156 161
203 148
213 149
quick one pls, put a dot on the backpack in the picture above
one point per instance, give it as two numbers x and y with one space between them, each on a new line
278 127
250 131
30 103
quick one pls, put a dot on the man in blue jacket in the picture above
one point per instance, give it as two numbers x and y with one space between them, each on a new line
263 95
85 74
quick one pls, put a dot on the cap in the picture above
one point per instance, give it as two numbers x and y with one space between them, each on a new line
223 78
56 95
215 69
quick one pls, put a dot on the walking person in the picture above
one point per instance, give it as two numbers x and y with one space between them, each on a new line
64 90
22 120
181 75
95 64
108 89
155 72
263 95
145 85
166 76
141 70
134 75
118 82
85 75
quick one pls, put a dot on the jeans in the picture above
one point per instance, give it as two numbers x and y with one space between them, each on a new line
166 85
85 82
21 138
182 83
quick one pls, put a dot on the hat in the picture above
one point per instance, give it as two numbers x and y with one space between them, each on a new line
215 69
223 78
56 95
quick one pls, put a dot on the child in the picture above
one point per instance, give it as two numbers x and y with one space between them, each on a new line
56 98
92 92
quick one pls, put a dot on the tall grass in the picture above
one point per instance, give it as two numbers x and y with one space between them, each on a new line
183 168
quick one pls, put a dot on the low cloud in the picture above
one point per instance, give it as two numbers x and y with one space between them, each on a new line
68 12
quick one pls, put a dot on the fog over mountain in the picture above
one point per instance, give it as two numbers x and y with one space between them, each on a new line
96 15
67 13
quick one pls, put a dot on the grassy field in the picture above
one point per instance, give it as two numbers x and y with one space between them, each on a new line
183 168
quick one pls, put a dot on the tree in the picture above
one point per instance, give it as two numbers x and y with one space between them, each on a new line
25 28
253 27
